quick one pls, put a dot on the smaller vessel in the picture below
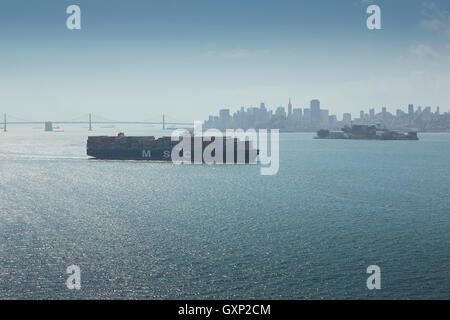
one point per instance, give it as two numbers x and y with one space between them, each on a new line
366 132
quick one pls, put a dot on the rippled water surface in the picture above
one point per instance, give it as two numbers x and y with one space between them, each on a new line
158 230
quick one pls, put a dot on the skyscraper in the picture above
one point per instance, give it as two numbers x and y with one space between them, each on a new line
315 111
224 118
297 114
307 114
289 108
411 111
324 116
347 118
280 113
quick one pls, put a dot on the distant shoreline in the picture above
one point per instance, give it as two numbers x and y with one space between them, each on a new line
297 131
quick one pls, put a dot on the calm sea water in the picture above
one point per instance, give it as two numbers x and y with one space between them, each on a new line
158 231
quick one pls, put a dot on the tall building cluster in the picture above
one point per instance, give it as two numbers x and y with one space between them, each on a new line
414 118
316 117
295 119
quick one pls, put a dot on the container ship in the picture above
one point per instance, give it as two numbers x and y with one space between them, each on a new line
366 132
122 147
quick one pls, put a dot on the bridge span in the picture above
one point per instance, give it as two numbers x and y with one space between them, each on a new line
90 122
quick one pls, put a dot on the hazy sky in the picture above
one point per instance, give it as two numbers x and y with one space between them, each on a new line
188 58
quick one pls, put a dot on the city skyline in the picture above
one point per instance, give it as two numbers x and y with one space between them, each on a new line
300 118
296 118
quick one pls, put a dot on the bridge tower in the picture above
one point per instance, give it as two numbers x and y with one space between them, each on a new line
4 122
164 122
90 122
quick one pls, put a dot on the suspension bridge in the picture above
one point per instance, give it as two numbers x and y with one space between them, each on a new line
90 120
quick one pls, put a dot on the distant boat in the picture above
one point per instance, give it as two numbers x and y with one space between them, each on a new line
366 132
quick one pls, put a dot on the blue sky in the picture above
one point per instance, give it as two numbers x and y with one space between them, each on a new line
188 58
